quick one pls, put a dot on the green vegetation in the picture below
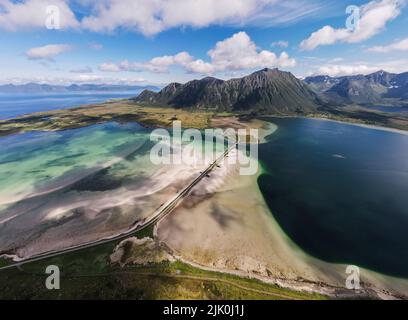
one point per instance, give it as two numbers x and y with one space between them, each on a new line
225 114
146 232
359 115
4 262
88 274
128 111
121 111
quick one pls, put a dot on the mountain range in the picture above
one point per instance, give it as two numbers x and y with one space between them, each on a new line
376 88
46 88
271 91
264 91
267 91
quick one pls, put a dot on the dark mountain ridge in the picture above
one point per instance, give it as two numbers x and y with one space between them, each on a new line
375 88
264 91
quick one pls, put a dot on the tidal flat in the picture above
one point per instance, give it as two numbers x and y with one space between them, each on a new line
260 225
87 175
66 188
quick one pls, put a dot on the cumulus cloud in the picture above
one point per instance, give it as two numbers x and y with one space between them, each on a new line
47 52
373 18
157 65
29 14
401 45
238 52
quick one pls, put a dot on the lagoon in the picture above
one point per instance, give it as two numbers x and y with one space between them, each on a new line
340 191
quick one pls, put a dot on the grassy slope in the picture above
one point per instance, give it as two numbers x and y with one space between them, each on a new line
87 274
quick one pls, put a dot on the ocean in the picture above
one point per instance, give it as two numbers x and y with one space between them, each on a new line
13 105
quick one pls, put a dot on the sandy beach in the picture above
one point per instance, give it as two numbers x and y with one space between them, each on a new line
225 225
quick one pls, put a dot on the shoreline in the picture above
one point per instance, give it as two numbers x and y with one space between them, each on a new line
375 285
302 283
362 125
292 267
153 117
367 126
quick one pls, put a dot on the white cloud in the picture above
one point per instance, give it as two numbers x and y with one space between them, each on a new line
281 44
28 14
238 52
374 17
151 17
47 52
200 66
109 67
157 65
78 79
336 70
345 70
97 79
401 45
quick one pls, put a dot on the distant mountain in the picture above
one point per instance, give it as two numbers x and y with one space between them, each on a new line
398 87
363 89
358 89
321 83
46 88
265 91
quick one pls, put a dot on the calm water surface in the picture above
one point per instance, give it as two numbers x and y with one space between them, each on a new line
12 105
340 192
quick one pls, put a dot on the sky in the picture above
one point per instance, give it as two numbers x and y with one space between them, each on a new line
162 41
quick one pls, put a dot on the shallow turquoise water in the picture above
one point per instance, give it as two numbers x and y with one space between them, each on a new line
61 189
65 188
340 192
37 162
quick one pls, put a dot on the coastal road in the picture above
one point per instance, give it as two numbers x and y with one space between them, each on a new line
163 211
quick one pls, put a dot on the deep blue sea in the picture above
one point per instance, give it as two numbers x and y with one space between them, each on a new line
12 105
340 191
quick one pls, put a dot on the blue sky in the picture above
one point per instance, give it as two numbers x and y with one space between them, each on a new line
157 42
